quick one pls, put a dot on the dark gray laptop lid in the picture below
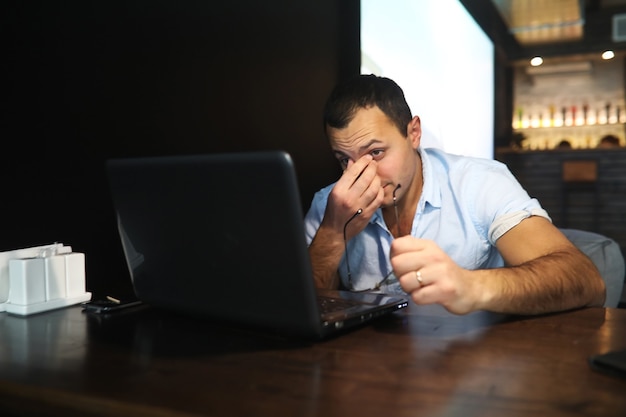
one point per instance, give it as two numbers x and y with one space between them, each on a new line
219 236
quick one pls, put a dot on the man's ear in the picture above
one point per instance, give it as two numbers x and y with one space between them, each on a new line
414 132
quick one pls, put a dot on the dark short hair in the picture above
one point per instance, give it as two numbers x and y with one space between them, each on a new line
366 91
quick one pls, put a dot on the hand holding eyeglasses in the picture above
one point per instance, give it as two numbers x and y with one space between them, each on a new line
430 276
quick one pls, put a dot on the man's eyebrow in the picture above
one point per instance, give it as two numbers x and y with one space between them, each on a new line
370 143
338 153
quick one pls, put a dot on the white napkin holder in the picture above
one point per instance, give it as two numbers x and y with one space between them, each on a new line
42 278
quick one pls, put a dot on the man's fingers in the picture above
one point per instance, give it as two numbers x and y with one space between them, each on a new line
354 172
406 244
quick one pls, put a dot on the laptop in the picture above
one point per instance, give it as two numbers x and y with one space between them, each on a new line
221 236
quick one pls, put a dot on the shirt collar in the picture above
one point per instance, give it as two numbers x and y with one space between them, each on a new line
431 192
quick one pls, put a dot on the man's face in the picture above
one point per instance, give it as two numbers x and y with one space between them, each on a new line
372 132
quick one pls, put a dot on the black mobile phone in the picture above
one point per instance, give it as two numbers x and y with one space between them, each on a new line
612 362
108 305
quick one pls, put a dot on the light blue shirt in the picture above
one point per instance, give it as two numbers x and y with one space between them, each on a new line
466 205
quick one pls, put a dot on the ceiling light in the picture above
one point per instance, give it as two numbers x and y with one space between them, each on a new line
536 61
608 55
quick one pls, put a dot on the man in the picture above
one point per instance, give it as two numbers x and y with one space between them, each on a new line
445 229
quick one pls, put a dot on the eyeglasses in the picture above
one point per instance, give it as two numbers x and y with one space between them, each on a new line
345 245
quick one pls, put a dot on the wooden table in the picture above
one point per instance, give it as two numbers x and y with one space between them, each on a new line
419 362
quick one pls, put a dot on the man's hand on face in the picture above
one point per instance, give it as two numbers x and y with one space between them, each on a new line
358 188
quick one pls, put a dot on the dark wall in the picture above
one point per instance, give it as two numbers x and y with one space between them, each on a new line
596 206
90 80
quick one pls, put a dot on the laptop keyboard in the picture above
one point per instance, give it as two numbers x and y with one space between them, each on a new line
330 304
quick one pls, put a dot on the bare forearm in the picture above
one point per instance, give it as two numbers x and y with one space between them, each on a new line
559 281
325 252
